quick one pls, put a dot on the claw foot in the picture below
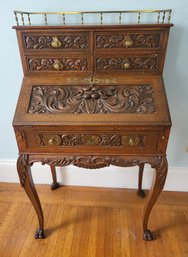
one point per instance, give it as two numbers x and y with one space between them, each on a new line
54 186
148 235
141 193
39 233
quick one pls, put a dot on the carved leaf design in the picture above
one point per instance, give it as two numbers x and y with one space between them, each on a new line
161 166
135 63
66 64
22 164
138 41
91 162
67 42
92 99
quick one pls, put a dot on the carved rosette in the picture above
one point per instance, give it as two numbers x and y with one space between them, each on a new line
128 63
137 41
62 64
161 166
65 42
22 168
90 162
92 99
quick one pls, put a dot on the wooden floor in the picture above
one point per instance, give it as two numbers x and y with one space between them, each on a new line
91 222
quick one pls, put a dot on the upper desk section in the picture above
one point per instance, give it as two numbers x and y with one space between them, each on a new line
123 42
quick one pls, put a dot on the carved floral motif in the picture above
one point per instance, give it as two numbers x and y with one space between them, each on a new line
92 99
66 42
138 41
161 166
133 63
64 64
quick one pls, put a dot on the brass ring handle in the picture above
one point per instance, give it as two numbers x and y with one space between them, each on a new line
127 41
126 65
57 65
56 43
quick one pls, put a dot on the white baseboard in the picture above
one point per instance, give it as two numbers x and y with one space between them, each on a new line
112 176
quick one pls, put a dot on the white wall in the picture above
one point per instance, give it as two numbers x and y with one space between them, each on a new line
175 72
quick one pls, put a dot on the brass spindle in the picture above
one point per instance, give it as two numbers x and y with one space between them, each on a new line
169 16
82 18
101 18
139 14
45 19
16 17
22 17
158 17
164 14
120 18
29 20
63 18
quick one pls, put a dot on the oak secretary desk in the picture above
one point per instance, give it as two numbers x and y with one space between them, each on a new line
93 96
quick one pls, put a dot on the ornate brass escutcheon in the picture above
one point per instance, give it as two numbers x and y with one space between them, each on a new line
57 65
134 140
127 42
54 140
91 140
56 43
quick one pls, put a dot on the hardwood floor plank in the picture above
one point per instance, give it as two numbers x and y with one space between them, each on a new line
91 222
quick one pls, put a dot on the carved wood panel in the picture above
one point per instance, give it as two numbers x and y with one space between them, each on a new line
63 41
69 139
123 40
92 99
128 63
60 64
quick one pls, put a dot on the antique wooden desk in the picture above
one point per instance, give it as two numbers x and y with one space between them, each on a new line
93 96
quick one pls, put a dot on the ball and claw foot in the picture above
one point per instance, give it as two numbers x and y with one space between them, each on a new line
54 186
39 233
141 193
148 235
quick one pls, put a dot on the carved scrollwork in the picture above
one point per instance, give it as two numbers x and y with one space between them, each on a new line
161 166
128 63
22 168
64 64
89 140
91 162
65 42
118 41
92 99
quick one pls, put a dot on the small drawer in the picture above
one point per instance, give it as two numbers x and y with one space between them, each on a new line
129 39
129 141
126 63
63 41
57 64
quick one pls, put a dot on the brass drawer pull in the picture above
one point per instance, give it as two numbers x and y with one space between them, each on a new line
134 140
54 140
57 65
126 65
127 41
56 43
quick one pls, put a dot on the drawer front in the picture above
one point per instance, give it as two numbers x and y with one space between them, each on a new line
57 64
123 40
129 141
56 41
127 63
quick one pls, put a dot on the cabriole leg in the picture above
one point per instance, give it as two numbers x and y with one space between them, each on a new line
54 184
161 169
140 191
26 181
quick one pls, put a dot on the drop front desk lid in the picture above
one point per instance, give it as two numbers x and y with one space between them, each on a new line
80 100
